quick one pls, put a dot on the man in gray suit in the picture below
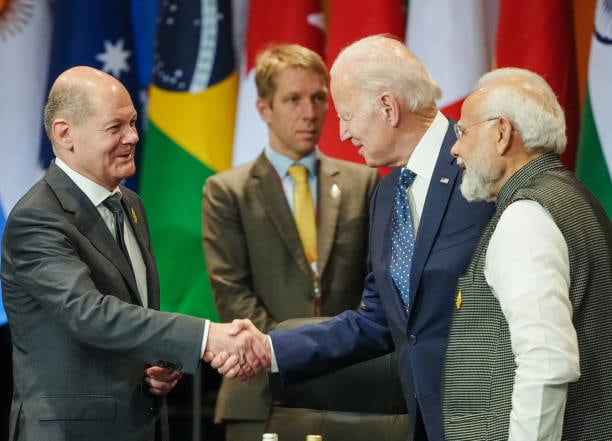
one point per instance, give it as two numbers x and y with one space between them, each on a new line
258 265
92 358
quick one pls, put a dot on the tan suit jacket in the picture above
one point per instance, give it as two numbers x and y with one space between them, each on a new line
256 264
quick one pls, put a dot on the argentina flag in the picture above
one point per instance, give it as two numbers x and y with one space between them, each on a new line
25 29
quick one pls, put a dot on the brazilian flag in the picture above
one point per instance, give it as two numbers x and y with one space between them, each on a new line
192 106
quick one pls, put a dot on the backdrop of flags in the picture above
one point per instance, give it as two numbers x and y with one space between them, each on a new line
192 103
25 30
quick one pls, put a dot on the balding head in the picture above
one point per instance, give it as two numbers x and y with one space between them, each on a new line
74 93
91 122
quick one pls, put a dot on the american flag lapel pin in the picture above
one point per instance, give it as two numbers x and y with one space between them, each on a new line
444 180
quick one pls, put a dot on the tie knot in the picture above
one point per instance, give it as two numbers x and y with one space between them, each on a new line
299 173
113 203
406 178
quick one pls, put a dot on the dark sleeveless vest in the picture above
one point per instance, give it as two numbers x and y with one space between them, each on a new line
479 369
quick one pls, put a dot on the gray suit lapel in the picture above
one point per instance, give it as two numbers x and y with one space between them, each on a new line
329 198
88 221
268 189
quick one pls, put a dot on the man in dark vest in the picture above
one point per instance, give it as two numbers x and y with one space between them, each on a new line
529 349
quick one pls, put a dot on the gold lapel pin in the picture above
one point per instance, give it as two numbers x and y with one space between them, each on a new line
458 300
134 217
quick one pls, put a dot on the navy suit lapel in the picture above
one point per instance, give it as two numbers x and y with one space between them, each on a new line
88 221
268 188
443 181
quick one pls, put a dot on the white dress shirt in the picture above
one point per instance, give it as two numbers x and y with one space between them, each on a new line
422 163
527 268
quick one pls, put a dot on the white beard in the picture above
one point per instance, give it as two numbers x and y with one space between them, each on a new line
478 180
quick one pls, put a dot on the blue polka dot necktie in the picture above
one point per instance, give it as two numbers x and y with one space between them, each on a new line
402 237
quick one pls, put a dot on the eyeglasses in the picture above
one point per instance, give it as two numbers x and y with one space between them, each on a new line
460 130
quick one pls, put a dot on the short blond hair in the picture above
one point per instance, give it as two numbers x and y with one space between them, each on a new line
277 58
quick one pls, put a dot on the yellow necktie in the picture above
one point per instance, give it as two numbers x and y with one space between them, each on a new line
304 213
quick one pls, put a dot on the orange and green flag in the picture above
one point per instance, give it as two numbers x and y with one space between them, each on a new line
192 106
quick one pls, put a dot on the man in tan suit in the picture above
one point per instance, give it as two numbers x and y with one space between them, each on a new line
257 264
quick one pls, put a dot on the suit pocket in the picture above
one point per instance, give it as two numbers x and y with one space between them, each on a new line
461 427
76 408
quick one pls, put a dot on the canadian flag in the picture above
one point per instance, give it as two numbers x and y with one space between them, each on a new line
349 21
454 40
269 22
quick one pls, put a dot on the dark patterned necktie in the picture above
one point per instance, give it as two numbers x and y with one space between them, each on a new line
113 203
402 237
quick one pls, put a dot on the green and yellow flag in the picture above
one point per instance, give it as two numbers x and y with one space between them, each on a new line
192 106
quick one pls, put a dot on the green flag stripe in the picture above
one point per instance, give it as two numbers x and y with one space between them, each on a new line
171 188
591 167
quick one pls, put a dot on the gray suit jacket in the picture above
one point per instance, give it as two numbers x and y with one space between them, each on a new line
81 339
256 264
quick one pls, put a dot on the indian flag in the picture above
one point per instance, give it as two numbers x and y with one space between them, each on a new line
192 106
594 164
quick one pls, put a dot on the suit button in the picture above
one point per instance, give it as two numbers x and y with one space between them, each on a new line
412 339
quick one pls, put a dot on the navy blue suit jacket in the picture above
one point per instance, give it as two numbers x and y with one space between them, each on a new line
448 232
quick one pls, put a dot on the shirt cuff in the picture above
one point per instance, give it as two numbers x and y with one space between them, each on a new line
204 338
273 363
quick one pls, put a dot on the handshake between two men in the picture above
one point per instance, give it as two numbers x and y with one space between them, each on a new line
237 349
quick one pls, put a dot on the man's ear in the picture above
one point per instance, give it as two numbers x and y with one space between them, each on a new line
264 108
505 132
62 134
390 107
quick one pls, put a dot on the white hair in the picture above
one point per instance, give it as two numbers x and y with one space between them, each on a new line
381 63
530 104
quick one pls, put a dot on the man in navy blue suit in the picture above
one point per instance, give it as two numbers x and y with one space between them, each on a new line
385 99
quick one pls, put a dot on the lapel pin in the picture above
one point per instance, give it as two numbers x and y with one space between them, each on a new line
444 180
334 192
458 300
134 217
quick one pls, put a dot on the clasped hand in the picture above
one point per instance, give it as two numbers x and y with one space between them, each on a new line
238 349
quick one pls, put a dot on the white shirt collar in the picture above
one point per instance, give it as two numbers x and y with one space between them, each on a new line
423 159
95 192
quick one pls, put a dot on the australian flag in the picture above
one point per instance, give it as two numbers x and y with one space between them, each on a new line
96 33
